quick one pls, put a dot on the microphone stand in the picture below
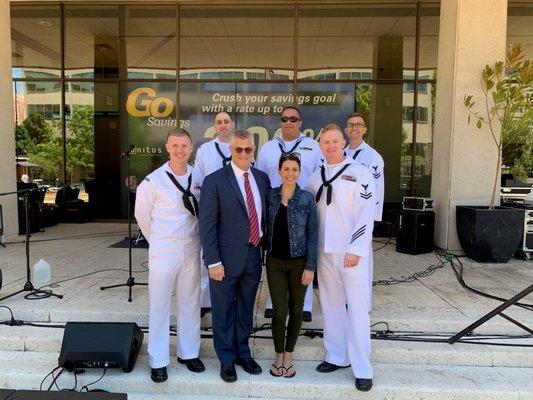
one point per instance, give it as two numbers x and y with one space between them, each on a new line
28 286
131 279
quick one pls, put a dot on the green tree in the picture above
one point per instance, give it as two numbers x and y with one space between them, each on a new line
80 146
507 99
37 128
49 156
24 144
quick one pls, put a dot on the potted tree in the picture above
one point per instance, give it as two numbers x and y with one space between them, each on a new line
492 233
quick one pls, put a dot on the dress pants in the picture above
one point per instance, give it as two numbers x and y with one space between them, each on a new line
370 277
179 268
232 309
308 300
344 299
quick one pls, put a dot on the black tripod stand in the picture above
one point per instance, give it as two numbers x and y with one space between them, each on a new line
131 279
28 286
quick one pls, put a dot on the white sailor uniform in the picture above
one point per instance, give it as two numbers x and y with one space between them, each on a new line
165 215
210 157
369 157
345 226
310 158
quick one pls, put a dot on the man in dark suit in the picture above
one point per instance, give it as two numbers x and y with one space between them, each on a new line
232 224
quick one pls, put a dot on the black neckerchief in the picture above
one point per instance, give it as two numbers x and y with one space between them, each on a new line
327 183
286 153
192 207
356 154
225 160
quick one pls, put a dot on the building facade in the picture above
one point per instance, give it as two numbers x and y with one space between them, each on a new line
97 78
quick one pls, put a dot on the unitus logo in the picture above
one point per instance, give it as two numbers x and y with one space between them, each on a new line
143 102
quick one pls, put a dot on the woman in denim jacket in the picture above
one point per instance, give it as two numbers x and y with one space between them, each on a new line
291 260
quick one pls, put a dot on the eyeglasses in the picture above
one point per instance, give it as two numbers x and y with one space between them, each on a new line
291 119
247 150
357 125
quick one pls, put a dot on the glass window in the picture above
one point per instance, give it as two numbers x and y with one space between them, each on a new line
429 40
38 131
92 44
227 42
35 39
150 36
368 41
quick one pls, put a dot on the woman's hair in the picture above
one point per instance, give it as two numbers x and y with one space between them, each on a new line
289 157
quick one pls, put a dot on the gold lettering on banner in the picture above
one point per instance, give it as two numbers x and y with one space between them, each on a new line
143 102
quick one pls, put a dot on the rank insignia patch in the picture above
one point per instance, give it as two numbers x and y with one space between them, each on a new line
366 195
375 174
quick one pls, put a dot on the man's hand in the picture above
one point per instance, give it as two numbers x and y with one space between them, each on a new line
351 260
307 277
217 273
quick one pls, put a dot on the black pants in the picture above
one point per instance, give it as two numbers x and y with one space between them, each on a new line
287 293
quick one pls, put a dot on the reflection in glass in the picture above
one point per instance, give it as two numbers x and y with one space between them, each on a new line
150 36
355 41
255 42
35 38
429 40
92 44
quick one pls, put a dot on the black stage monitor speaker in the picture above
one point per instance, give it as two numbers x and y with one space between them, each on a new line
100 344
415 232
42 395
6 393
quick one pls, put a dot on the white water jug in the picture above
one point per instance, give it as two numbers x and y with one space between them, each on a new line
41 271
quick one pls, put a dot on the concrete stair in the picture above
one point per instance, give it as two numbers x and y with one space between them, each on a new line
403 370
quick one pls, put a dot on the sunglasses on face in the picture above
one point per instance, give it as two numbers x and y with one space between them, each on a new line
291 119
247 150
357 125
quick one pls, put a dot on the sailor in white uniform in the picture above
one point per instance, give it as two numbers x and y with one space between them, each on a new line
210 157
291 141
344 193
362 152
166 210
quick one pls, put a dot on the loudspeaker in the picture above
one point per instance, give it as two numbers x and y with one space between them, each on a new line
415 232
67 395
100 344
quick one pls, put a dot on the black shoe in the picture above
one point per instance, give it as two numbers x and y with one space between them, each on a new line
204 310
159 375
193 364
249 365
326 367
228 373
269 313
363 385
308 317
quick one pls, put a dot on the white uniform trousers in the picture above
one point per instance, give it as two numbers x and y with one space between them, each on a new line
166 270
308 300
344 300
370 276
205 296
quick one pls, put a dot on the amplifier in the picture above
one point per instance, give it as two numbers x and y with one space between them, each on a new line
67 395
100 344
415 232
417 203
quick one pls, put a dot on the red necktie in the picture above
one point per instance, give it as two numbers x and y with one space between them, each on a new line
250 203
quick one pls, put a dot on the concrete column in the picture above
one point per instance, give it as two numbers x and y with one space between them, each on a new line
472 34
7 135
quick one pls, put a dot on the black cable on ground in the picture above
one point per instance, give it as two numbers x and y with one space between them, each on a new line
458 269
86 387
81 236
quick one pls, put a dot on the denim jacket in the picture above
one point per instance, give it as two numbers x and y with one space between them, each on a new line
302 221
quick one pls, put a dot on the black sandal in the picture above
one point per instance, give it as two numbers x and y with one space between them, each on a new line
287 370
278 369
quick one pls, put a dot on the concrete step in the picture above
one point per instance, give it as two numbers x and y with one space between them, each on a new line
25 370
35 339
